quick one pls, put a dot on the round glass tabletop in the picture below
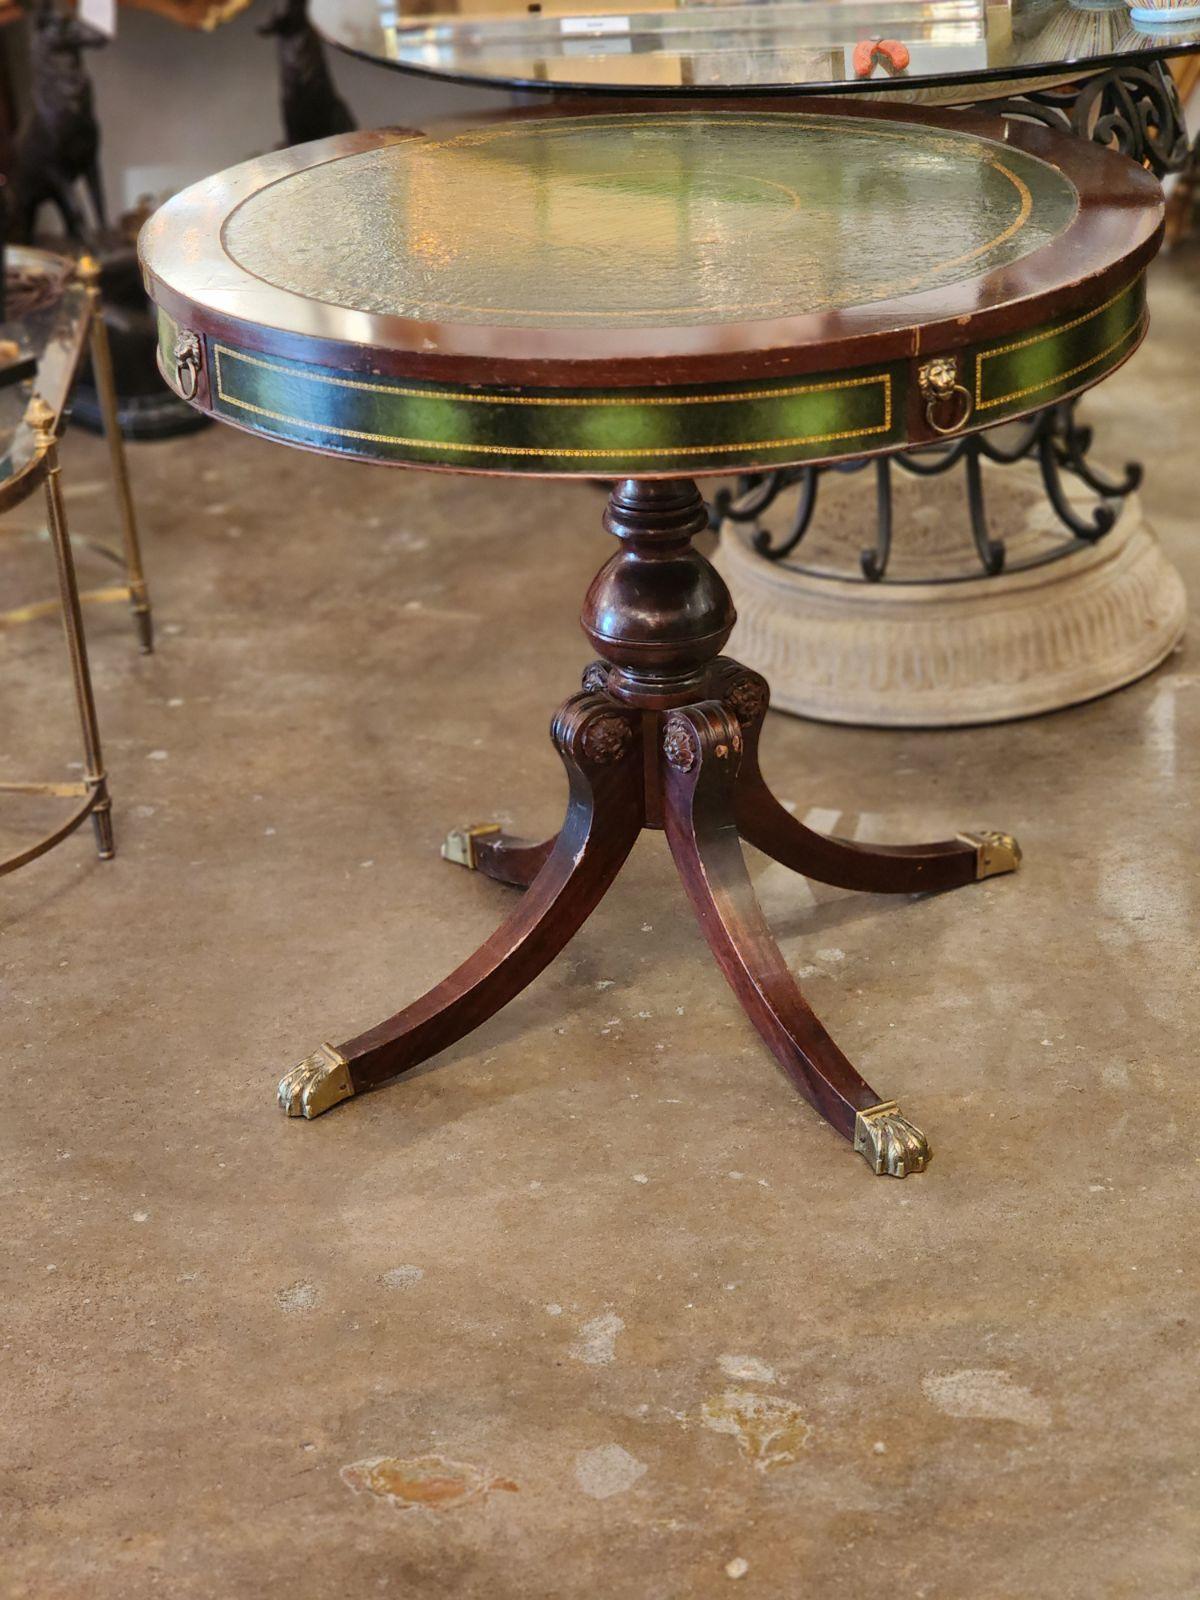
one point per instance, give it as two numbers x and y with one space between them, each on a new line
925 47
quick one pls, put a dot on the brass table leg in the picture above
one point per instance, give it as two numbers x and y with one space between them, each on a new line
139 597
95 784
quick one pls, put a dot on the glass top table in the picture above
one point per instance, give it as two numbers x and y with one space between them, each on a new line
917 48
49 321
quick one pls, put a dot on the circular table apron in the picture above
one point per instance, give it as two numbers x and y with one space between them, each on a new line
651 292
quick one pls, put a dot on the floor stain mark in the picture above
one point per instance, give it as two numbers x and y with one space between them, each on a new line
431 1483
298 1297
769 1429
607 1470
748 1368
401 1277
987 1394
596 1346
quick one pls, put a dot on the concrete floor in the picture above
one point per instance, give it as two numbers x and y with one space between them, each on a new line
613 1308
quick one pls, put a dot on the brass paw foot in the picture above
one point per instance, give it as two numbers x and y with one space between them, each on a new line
889 1141
316 1083
459 845
994 853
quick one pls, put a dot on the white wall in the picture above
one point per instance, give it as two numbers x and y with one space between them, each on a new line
175 105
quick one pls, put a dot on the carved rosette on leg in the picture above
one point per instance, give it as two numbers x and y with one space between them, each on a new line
745 693
607 738
591 730
679 743
315 1084
891 1144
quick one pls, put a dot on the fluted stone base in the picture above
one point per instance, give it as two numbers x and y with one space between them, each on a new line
925 654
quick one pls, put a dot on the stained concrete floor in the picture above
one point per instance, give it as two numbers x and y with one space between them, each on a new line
637 1322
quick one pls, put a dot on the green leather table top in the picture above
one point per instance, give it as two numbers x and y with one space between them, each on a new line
651 290
603 221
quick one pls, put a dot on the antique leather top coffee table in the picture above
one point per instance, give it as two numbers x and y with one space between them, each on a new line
573 295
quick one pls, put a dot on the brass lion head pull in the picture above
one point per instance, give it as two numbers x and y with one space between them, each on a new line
187 364
938 383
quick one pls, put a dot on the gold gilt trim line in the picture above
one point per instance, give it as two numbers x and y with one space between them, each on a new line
542 450
1066 327
1058 377
478 398
617 452
1040 338
607 121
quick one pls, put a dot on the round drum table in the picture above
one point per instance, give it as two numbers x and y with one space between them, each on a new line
559 294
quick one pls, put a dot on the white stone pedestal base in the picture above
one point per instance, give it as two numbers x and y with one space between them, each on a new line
921 654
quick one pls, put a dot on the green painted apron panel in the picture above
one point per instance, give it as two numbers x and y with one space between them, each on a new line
663 430
1032 369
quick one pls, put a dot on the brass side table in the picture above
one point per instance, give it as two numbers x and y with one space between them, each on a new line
56 315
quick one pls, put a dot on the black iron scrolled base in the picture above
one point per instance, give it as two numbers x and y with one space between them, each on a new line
664 736
1052 439
1132 108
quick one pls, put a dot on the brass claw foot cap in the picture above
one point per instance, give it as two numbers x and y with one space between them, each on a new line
889 1142
316 1083
459 845
994 853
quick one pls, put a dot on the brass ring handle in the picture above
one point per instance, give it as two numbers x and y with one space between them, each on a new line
187 365
935 400
187 375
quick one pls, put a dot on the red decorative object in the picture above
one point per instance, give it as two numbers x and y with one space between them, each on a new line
891 55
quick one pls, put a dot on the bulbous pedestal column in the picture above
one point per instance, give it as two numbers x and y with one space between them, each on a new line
659 612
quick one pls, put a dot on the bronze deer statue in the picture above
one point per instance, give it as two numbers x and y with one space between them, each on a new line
311 106
58 142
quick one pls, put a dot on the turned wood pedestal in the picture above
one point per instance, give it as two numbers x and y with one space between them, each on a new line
664 734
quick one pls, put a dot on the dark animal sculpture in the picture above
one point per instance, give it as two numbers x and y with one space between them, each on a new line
58 142
311 106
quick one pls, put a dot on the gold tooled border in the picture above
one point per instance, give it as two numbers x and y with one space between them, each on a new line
1038 338
884 379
